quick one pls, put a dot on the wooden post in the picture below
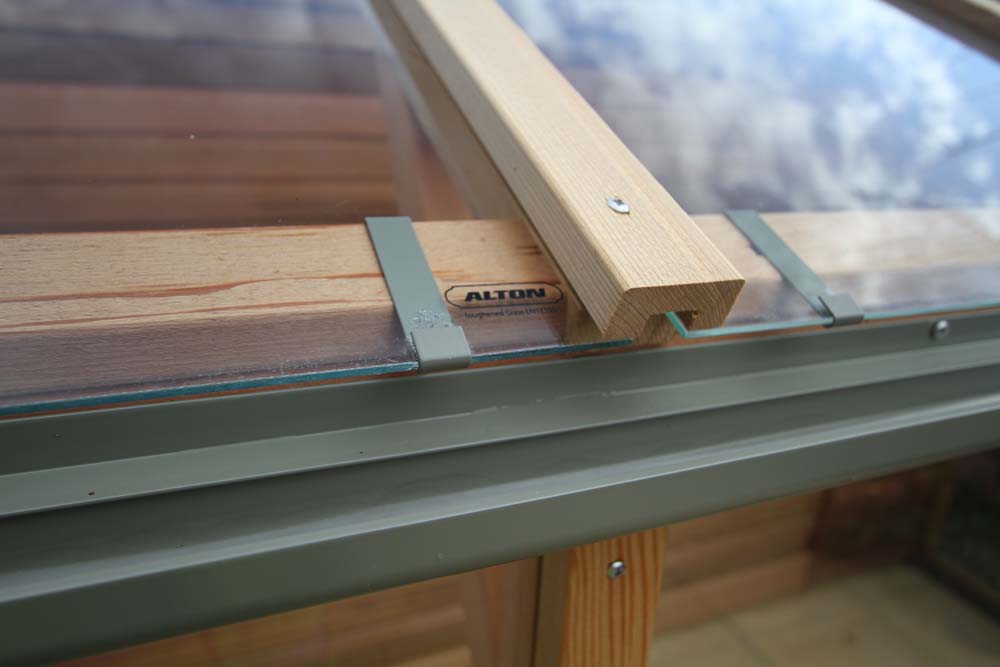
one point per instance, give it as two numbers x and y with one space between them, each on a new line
589 618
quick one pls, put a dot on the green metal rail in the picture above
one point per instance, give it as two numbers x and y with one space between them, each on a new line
130 524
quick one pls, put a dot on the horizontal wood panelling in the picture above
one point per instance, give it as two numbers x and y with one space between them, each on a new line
33 108
869 242
68 159
731 591
742 547
211 274
377 630
282 299
25 208
316 22
721 524
168 307
43 57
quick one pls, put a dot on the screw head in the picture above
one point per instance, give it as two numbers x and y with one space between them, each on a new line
941 329
616 568
618 205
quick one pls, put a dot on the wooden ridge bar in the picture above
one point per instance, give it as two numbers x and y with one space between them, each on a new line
563 164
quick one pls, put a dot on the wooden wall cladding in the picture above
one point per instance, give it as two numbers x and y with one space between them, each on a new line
140 115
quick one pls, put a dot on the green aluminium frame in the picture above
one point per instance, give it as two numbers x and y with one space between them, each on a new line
129 524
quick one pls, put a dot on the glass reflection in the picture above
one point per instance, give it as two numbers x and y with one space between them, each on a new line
780 105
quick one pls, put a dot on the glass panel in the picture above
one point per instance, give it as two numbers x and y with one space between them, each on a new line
819 107
767 302
778 105
896 264
253 119
142 115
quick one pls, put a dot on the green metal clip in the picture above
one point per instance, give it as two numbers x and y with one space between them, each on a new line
438 344
841 307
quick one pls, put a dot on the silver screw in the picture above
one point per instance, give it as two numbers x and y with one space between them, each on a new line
618 205
941 329
616 569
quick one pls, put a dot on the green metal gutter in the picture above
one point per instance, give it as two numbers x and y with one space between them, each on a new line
130 524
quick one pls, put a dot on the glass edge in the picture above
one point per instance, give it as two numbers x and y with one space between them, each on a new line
209 388
100 400
745 328
870 316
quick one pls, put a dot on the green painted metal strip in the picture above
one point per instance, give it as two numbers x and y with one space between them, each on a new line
311 494
841 307
439 345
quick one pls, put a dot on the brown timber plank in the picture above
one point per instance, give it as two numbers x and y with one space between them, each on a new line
100 59
107 309
718 526
25 208
322 23
377 630
86 159
33 108
734 590
139 307
740 548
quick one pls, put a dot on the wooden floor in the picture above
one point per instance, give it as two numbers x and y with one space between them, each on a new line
889 616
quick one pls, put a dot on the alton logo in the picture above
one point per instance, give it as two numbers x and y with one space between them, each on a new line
497 295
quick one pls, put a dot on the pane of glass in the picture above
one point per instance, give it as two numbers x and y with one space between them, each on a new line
767 302
138 116
819 107
910 262
778 105
246 120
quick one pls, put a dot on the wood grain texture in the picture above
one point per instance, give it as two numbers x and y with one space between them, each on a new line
101 59
707 529
205 274
562 162
97 157
322 23
734 590
28 208
586 619
470 166
424 190
134 308
744 546
500 605
128 308
47 159
483 188
176 276
33 108
384 629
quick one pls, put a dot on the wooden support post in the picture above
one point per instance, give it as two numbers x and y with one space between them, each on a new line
589 618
